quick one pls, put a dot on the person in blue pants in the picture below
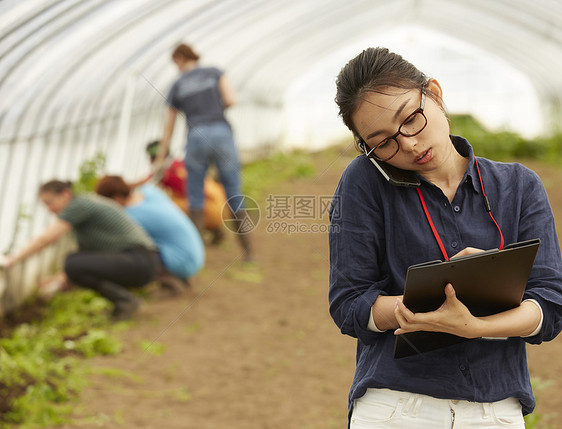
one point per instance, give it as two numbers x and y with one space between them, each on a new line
202 94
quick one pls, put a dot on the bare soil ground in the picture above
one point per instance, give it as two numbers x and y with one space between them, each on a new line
255 347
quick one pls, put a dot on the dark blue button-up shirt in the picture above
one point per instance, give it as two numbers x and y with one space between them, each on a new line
378 230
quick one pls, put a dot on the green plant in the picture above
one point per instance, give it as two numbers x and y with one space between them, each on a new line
506 145
42 360
152 347
41 355
23 215
537 420
90 171
260 175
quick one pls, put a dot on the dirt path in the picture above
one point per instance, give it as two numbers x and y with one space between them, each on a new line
254 348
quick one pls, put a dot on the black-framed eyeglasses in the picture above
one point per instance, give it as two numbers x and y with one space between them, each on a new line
412 126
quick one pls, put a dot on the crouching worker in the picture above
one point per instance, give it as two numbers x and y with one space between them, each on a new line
114 253
181 249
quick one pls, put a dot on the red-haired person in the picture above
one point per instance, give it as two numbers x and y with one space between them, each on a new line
180 246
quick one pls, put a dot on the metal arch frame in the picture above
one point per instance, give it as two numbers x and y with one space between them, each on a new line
153 70
110 81
58 29
48 96
518 61
70 69
24 24
254 62
20 59
45 103
264 69
302 25
45 96
527 61
274 73
255 70
508 48
242 71
104 100
41 113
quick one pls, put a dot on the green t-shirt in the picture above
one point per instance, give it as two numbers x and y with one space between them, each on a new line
100 224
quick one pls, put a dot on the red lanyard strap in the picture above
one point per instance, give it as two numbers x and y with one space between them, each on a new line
434 230
487 204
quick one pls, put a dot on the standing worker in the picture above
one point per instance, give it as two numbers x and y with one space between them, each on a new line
202 94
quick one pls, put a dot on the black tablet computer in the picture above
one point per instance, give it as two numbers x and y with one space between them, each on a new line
487 283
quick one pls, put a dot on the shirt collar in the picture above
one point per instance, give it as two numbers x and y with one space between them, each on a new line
464 148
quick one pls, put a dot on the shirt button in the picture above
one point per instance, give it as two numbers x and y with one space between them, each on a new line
462 367
454 244
457 209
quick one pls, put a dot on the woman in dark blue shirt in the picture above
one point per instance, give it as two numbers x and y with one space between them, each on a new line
396 115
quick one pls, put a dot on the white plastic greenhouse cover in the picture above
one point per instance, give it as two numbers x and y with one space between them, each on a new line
82 76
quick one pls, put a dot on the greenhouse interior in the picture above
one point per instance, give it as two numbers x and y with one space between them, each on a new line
86 81
85 77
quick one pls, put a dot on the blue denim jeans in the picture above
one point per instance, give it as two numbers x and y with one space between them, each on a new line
206 144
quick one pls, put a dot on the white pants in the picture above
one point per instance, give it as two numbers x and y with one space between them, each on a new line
384 408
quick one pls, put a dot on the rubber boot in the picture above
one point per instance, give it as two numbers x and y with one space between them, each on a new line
171 284
196 216
125 303
244 240
218 236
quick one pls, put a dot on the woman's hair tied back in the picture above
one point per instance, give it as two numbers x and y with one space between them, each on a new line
185 52
373 69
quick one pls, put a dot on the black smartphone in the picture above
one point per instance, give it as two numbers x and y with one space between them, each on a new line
394 175
397 176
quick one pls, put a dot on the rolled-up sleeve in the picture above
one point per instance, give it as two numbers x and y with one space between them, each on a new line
545 280
356 277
